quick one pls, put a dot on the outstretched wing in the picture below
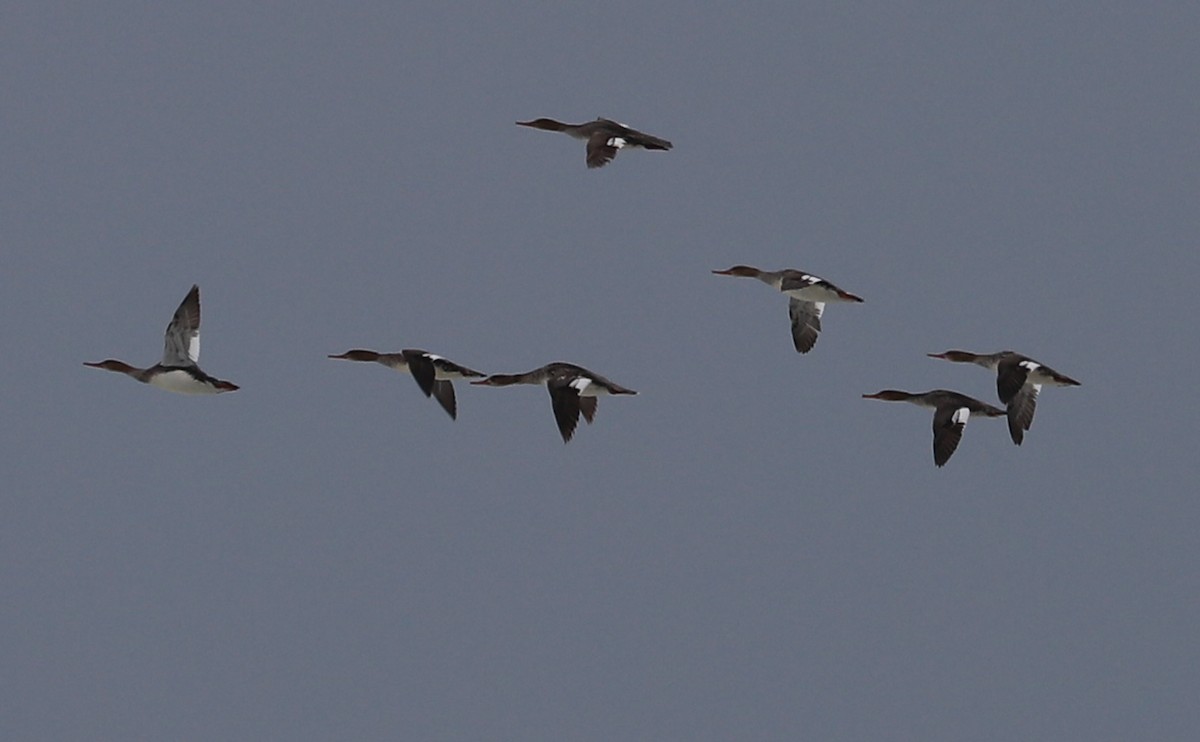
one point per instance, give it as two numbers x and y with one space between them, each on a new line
565 401
587 406
948 424
420 365
1020 411
1011 375
806 323
602 147
181 344
443 392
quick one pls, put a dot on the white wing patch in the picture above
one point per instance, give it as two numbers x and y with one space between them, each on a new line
580 384
616 142
961 416
1030 366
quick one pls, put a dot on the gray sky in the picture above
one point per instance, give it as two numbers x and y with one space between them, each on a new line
747 549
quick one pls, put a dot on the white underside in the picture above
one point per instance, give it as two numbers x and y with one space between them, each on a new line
1041 377
181 382
814 293
586 388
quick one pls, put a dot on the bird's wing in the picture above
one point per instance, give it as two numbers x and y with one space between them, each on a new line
181 344
1020 411
443 392
806 323
587 405
565 401
1011 375
948 424
602 148
420 365
795 280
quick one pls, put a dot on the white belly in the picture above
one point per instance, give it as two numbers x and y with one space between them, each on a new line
180 382
816 292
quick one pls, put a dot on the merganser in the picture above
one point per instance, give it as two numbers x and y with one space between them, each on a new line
807 295
573 389
951 413
432 373
604 137
1019 379
178 371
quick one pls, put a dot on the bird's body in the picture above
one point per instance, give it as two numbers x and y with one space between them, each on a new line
604 137
177 372
807 295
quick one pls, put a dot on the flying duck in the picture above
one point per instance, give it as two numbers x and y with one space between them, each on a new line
178 371
573 390
951 411
604 137
807 295
434 374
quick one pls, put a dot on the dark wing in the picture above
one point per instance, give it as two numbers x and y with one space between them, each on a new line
587 405
421 368
599 150
646 141
443 392
948 425
806 323
1020 412
635 137
794 280
451 368
181 344
1010 377
565 401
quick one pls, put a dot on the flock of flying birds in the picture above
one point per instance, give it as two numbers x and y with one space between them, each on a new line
574 390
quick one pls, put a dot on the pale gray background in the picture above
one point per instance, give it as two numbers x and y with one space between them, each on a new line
745 551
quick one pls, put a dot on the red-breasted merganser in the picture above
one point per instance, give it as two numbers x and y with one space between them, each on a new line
1019 379
604 137
178 371
951 411
433 373
807 295
573 389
